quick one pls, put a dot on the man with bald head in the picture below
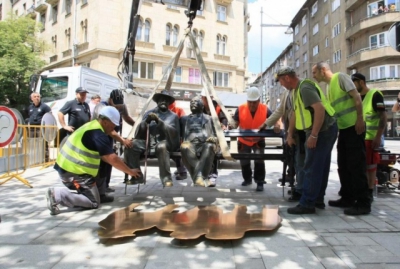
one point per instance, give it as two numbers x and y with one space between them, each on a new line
351 153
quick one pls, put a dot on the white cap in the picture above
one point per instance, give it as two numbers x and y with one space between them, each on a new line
203 92
111 113
253 94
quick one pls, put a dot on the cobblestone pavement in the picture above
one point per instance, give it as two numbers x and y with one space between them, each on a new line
31 238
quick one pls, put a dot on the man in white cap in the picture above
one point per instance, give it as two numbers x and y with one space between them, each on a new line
212 177
251 115
78 163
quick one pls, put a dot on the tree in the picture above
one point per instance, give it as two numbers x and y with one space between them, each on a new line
19 59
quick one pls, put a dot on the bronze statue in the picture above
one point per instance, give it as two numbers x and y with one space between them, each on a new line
199 142
163 127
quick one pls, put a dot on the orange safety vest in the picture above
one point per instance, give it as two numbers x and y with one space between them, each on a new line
177 110
246 121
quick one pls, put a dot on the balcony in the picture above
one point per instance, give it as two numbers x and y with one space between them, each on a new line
40 6
385 84
52 2
31 12
373 21
370 54
53 59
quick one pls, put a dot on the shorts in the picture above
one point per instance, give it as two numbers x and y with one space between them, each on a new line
373 157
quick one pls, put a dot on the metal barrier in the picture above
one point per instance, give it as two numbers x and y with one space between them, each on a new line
32 146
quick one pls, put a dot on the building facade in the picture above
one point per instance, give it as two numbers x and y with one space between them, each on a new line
94 33
352 36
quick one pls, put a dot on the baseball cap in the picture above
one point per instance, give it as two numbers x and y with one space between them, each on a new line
81 90
284 70
110 113
253 94
357 76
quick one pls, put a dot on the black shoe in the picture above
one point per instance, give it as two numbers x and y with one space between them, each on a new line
106 199
320 205
181 176
110 189
340 203
260 187
298 210
357 210
295 197
246 183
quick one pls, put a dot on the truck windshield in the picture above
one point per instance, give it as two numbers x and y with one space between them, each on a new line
54 88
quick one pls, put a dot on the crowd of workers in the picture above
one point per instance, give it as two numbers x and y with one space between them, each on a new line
350 113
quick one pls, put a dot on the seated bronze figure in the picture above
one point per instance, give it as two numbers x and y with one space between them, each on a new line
164 130
199 142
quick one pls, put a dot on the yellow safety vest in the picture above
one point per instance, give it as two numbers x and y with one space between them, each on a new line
303 115
371 117
75 158
343 104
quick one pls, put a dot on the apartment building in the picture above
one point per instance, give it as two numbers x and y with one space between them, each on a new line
352 35
94 33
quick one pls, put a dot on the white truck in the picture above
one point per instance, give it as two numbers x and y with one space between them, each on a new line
57 86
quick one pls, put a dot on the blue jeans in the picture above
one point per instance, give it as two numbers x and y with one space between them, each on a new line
316 167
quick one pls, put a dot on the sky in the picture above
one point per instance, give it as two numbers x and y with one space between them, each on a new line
274 38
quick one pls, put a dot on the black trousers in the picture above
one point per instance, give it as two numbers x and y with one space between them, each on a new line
352 166
259 165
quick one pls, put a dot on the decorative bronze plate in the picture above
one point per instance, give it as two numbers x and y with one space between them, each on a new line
191 224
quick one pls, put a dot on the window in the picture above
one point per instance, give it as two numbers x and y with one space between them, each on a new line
171 35
84 2
326 19
54 88
384 71
54 11
304 39
305 74
139 30
304 20
68 4
221 13
315 29
194 76
373 8
43 19
143 31
143 70
297 62
147 31
314 9
335 5
221 45
199 40
326 42
178 73
315 50
336 30
305 57
84 31
377 40
297 47
296 29
221 79
337 56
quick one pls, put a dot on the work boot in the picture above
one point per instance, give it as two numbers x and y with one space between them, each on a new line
106 199
246 183
51 202
357 210
299 210
341 203
260 187
180 176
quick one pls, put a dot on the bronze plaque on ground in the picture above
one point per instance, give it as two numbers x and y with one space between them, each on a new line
191 224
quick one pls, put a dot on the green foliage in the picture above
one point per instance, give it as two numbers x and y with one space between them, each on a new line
20 50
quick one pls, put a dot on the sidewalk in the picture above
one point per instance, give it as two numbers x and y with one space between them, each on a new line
31 238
